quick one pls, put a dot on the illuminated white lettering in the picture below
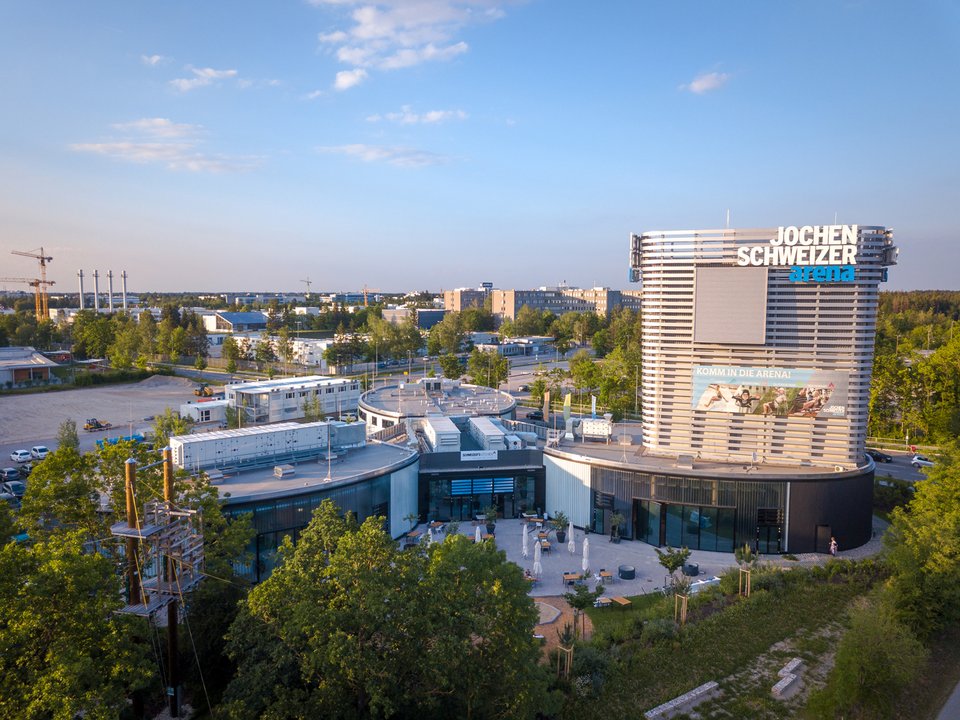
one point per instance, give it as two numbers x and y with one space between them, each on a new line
743 255
849 255
849 234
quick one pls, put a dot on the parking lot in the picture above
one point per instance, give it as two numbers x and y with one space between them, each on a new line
28 420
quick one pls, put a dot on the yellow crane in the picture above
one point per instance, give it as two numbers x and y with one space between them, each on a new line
40 284
40 297
368 290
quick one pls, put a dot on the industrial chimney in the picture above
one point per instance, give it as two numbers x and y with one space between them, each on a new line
123 276
80 275
96 291
110 286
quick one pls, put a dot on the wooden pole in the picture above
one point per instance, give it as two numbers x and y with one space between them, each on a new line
173 614
133 544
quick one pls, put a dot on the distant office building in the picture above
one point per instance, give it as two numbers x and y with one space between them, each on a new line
235 322
505 304
462 298
425 318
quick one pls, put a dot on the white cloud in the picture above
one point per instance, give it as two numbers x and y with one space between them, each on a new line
159 140
158 127
201 78
313 95
706 82
407 116
152 60
395 34
348 78
400 156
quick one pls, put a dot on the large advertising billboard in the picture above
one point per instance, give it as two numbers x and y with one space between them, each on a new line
779 392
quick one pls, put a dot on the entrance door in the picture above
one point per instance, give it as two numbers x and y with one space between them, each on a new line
768 539
824 533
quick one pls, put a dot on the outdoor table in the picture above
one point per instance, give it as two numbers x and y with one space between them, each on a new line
484 536
606 575
437 525
603 602
545 546
571 578
622 601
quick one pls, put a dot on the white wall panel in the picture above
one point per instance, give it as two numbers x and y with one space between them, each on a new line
568 489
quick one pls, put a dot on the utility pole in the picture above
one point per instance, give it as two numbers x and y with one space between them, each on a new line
133 543
173 610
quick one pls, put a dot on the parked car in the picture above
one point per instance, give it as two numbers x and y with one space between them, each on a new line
920 461
20 456
39 452
11 500
523 388
26 469
14 487
9 474
879 456
535 415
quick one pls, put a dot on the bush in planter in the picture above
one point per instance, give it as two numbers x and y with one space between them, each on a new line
560 523
490 515
616 522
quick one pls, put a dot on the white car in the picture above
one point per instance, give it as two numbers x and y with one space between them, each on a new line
20 456
39 452
920 461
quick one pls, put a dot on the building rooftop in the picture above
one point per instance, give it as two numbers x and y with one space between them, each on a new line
306 381
243 317
453 398
346 468
21 357
625 450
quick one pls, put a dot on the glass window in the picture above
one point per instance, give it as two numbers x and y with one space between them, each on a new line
726 521
691 526
708 528
674 534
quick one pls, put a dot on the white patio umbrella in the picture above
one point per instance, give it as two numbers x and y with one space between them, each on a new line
571 544
537 567
429 536
478 536
586 555
524 550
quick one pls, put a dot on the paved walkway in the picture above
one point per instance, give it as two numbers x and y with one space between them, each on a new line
650 575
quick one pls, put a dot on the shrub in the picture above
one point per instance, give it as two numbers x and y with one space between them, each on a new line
659 630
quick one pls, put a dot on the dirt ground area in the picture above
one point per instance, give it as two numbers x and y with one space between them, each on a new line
29 419
549 630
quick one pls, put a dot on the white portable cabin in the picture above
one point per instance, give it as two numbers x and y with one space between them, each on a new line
260 444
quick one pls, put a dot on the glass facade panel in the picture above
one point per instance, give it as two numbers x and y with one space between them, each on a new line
462 498
725 529
674 526
708 528
726 510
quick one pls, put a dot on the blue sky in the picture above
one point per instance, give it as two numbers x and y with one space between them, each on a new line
443 143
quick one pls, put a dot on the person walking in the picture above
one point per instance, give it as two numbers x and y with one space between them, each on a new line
833 546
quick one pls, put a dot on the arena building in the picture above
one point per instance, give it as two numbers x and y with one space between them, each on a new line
386 406
756 364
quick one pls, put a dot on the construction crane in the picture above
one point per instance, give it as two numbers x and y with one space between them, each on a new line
40 297
368 290
308 283
43 309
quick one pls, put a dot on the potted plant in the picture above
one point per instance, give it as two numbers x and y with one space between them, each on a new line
490 514
616 521
560 523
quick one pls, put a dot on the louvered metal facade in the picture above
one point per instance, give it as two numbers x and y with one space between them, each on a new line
808 325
